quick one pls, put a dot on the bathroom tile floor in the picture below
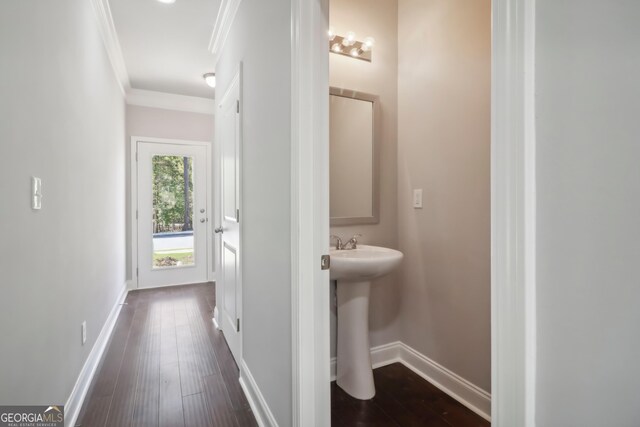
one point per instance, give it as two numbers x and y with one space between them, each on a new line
402 398
167 365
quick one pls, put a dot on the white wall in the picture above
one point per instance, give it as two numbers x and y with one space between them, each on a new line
378 19
588 213
62 119
261 38
161 123
444 69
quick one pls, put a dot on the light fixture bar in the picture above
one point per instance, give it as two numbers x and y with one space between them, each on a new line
353 49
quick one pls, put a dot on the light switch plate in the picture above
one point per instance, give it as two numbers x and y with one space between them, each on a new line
36 193
417 198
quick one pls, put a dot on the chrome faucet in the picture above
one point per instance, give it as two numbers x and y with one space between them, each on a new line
352 241
339 245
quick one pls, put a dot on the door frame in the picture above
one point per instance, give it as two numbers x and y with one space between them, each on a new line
310 308
513 214
134 202
513 222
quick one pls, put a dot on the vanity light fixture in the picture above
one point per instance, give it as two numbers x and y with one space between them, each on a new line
348 45
210 79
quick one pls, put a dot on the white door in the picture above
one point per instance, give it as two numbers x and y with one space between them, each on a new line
172 214
229 289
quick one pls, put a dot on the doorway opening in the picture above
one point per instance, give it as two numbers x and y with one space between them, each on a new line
422 99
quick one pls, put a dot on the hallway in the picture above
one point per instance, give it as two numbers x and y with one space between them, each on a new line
167 365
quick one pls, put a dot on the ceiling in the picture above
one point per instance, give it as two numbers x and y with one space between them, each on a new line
165 46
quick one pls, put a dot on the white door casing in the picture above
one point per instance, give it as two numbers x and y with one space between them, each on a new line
143 150
310 213
229 276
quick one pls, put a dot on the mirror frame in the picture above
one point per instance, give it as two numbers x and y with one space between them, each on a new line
375 178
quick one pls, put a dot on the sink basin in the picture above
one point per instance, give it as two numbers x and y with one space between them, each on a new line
365 263
354 269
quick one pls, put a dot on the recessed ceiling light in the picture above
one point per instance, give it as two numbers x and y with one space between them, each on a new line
167 1
210 78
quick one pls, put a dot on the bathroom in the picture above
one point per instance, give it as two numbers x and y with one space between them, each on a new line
427 89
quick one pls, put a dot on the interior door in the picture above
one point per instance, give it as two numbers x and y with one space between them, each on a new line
229 285
172 214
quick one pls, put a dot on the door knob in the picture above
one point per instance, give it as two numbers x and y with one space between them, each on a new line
218 230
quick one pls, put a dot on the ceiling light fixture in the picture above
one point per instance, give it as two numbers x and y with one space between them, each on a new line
349 46
167 1
210 79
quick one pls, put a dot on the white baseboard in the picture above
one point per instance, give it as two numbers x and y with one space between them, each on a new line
259 406
79 392
216 323
470 395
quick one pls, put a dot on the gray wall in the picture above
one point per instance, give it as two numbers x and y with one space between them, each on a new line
260 37
444 71
161 123
62 119
588 213
378 19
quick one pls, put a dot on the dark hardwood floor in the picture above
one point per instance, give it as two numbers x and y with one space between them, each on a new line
402 398
167 365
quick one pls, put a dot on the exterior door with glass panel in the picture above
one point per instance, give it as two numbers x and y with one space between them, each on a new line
172 214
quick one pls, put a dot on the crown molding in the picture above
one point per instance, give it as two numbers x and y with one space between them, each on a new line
226 15
170 101
111 42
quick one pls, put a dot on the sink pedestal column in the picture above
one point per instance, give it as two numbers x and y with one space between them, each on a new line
354 373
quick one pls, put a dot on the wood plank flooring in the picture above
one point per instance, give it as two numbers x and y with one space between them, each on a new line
167 365
402 399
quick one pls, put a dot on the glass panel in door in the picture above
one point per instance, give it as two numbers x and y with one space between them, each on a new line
172 229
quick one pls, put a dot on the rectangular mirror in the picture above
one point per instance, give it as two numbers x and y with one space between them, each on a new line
354 191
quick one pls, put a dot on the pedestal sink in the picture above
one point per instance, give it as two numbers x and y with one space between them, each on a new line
354 269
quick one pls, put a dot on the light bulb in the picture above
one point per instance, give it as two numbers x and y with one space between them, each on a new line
331 34
336 47
369 42
350 39
355 52
210 79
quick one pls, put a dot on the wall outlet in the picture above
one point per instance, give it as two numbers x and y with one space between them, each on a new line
84 332
417 198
